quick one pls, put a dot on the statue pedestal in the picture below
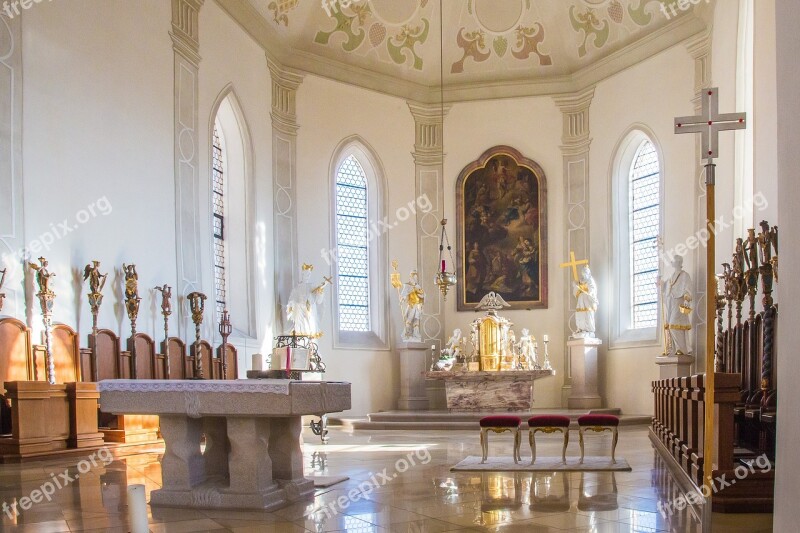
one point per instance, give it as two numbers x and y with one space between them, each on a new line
583 362
674 366
414 362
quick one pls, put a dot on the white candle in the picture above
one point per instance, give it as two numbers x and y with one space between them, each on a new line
258 361
544 338
137 509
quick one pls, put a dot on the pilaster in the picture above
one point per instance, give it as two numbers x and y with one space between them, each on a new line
575 143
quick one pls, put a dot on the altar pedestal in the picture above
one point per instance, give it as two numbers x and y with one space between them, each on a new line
674 366
253 457
489 391
583 363
414 361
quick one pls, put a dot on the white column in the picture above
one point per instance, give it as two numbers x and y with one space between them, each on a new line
428 168
12 238
186 44
284 180
575 145
787 481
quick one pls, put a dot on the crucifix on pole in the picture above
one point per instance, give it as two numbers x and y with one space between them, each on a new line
709 124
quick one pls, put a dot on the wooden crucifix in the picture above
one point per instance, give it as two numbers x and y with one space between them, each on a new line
709 124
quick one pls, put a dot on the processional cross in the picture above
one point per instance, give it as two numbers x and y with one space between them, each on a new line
709 124
574 264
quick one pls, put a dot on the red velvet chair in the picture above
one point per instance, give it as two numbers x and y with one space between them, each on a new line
548 424
500 424
599 424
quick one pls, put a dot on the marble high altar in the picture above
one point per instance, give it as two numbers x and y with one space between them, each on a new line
499 373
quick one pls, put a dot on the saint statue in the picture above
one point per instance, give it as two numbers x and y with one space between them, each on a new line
412 298
586 294
527 351
302 310
677 300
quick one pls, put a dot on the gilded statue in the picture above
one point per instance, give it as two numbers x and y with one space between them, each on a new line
97 280
43 276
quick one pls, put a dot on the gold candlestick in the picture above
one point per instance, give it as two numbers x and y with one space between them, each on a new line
225 329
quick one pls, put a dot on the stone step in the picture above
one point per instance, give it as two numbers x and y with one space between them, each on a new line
444 421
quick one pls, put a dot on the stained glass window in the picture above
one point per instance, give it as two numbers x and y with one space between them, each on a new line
645 219
352 242
218 199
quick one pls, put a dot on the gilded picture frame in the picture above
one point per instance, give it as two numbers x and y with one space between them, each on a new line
501 222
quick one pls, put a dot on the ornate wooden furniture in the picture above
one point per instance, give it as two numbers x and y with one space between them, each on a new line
500 424
548 424
599 424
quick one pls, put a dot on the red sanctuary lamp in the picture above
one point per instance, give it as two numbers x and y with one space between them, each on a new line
445 279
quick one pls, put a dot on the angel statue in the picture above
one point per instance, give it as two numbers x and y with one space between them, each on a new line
166 299
527 351
302 311
96 280
43 275
131 281
453 348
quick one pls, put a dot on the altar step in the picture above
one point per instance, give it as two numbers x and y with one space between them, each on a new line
444 420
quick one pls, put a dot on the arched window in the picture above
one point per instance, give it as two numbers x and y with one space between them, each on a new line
352 229
645 217
218 202
359 255
637 224
231 223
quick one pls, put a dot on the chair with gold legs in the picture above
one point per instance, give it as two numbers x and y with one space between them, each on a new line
500 424
548 424
599 424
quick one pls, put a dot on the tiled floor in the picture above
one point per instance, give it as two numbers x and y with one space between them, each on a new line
400 481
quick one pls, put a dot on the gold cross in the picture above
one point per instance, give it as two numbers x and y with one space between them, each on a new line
574 264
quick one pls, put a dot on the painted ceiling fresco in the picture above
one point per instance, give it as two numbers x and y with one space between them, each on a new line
483 39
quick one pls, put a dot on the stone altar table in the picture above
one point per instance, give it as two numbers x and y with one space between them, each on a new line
489 390
253 457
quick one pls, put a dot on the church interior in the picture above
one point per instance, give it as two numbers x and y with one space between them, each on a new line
398 265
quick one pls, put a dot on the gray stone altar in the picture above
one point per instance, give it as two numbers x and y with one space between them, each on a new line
253 457
490 390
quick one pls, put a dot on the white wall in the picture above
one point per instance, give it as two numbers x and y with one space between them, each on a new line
98 125
532 126
620 104
328 112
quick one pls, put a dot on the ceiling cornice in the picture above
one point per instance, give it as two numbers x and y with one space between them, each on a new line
669 35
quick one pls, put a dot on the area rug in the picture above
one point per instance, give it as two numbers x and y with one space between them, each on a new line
323 482
543 464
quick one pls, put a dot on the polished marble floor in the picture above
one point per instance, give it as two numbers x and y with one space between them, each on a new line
400 482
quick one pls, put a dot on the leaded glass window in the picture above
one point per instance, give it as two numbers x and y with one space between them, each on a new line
218 199
645 216
352 244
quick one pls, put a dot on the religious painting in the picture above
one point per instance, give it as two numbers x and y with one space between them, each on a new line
502 230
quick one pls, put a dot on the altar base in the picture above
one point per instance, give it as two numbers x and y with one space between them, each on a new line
253 457
489 391
583 363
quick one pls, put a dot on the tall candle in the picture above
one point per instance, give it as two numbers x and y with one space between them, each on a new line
443 266
137 509
544 338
